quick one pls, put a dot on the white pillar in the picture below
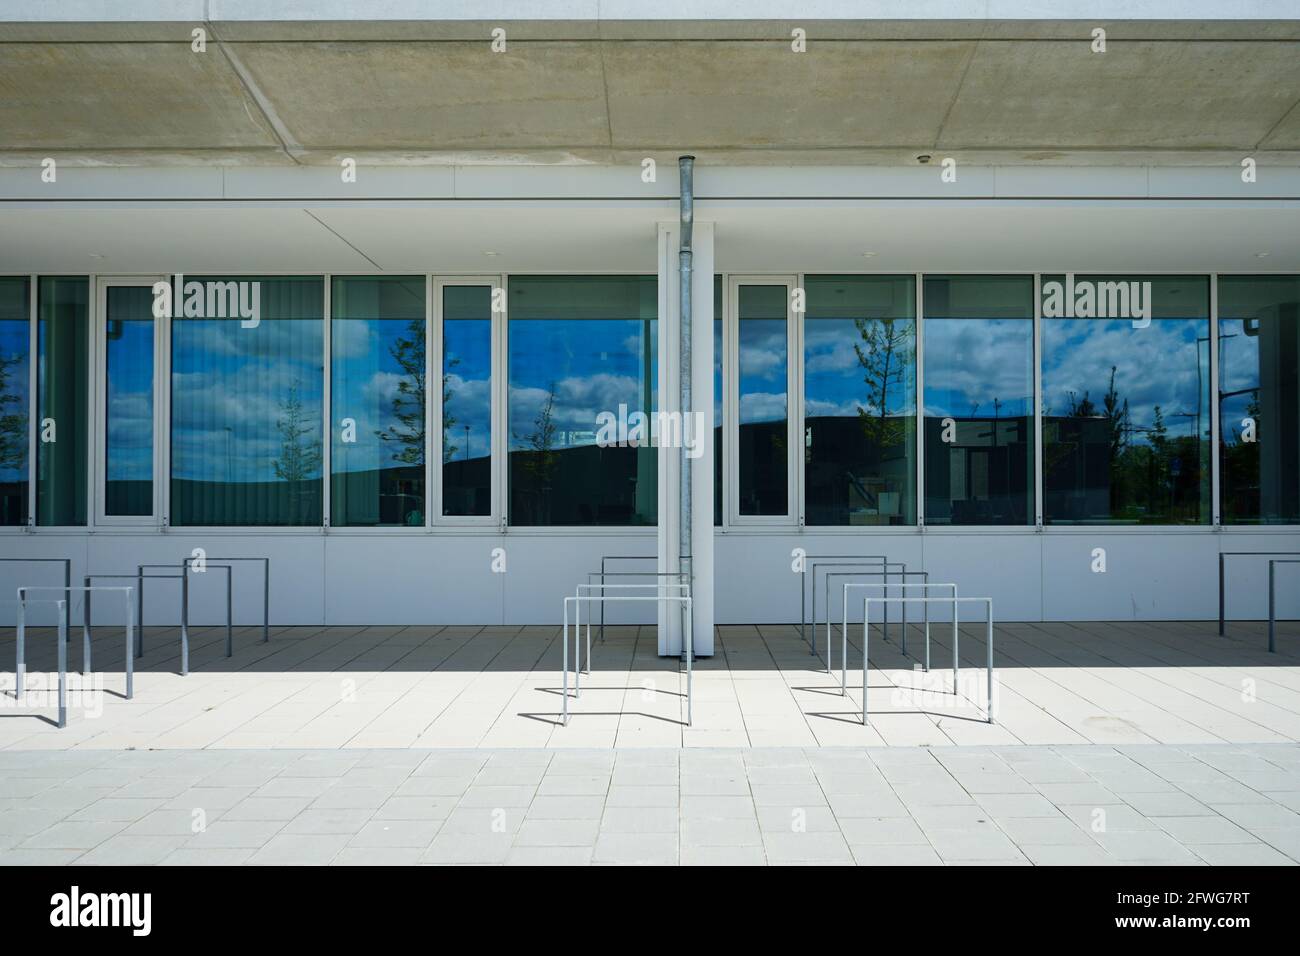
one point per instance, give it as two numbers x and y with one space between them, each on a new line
669 539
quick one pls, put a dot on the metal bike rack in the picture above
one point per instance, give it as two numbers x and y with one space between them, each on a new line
140 576
230 615
803 585
266 588
886 574
629 574
577 600
1272 601
871 561
631 557
954 601
20 663
20 673
1223 555
924 586
658 587
67 570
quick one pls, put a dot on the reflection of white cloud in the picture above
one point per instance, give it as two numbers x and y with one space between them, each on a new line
971 362
762 407
578 403
1154 366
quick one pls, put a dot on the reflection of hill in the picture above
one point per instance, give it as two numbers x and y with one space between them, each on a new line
585 485
245 502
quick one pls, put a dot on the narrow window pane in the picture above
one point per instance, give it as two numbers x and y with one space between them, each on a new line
1126 409
377 396
467 401
128 373
15 396
762 454
979 400
581 348
1259 399
247 403
62 382
860 400
719 469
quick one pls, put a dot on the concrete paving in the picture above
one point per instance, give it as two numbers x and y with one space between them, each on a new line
346 688
1015 805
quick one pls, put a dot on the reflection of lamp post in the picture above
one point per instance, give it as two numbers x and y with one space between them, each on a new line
467 443
230 434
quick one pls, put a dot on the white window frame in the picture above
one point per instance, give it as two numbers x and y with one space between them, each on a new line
794 405
497 388
99 384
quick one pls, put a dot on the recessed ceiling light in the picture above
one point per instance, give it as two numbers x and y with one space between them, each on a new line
868 255
487 253
1261 255
97 255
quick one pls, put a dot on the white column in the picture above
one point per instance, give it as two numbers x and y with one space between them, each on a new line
669 539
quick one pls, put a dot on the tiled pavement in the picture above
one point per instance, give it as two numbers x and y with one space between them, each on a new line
498 687
1145 804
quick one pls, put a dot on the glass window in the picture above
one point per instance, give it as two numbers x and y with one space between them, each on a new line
128 398
62 383
581 348
860 400
762 453
467 400
15 395
979 400
247 395
1126 412
1259 399
377 401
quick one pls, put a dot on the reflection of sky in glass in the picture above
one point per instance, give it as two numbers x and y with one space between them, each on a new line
833 376
364 383
583 341
1162 364
129 360
467 367
979 367
14 401
231 385
763 355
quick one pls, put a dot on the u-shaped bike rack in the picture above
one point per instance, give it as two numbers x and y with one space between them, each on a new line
661 597
924 586
954 601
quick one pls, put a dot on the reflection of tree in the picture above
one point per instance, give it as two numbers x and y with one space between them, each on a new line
540 460
13 420
300 449
885 353
449 447
409 402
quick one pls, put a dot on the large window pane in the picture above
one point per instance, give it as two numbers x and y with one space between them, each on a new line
247 408
15 397
580 347
860 400
62 381
1259 399
1126 410
979 400
128 395
377 399
762 461
467 401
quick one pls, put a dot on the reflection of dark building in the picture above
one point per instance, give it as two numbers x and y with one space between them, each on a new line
983 475
582 485
383 496
253 502
1076 468
853 480
467 486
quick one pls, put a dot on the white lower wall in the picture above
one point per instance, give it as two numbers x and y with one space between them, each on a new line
447 578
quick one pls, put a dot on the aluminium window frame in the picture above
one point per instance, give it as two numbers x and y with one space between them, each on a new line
98 440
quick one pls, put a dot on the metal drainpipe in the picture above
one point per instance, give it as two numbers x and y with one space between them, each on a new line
686 168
